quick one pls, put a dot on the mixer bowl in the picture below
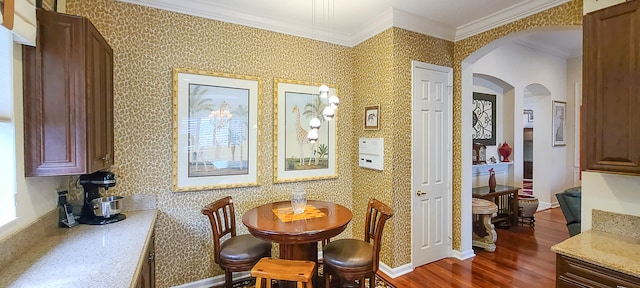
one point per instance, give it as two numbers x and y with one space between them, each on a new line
107 206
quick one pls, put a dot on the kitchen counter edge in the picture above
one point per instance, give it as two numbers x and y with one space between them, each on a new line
80 256
612 251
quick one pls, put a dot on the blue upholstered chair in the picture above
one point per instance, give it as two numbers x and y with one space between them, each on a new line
570 201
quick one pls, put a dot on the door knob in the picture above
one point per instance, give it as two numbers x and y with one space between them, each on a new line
420 193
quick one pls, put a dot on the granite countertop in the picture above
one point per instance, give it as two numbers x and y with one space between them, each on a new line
613 251
86 256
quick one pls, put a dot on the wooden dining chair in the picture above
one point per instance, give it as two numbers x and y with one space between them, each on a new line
353 259
237 252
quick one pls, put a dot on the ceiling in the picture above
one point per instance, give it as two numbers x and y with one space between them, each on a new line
349 22
561 43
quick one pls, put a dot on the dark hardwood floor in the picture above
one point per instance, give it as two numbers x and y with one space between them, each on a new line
523 258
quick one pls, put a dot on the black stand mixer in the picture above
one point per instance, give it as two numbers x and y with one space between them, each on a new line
98 210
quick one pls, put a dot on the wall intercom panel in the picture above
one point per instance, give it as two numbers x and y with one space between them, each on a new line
371 153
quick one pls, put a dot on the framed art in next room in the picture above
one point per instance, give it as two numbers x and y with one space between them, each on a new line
559 111
484 119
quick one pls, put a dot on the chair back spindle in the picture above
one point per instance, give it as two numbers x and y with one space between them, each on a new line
355 259
377 215
222 218
236 252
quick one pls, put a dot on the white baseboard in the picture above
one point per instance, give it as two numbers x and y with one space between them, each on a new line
544 205
396 272
213 281
219 280
464 255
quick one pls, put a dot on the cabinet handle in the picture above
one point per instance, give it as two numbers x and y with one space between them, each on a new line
106 158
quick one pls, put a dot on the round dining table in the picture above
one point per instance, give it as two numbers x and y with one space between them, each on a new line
297 237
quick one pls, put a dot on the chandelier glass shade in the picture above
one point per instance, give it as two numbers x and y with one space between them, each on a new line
330 102
328 112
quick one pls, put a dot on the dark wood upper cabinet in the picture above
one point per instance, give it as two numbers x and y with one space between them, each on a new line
68 98
611 96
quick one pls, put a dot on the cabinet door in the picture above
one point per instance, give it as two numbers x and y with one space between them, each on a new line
68 98
147 277
152 262
53 117
611 102
100 101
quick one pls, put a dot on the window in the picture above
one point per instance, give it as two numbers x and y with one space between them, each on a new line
7 131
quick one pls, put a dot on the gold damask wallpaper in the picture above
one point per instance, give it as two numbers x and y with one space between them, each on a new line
382 67
148 43
408 46
372 62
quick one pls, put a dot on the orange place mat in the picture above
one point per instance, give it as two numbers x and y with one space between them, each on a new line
286 214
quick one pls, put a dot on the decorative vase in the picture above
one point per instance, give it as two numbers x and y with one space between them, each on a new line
505 152
492 180
529 205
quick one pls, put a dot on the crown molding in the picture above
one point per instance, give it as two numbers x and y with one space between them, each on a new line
380 23
422 25
224 14
400 19
505 16
389 18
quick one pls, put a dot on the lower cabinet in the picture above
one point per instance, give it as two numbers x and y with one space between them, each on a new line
147 277
571 272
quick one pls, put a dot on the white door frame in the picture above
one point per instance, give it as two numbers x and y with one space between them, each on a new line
449 71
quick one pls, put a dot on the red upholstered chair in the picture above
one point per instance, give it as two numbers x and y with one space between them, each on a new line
237 252
353 259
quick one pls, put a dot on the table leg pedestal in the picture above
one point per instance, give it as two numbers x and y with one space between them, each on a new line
302 251
484 233
490 236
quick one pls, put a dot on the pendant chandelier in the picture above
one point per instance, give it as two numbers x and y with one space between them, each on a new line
329 111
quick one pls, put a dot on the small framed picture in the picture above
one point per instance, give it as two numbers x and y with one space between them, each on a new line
372 117
529 114
559 109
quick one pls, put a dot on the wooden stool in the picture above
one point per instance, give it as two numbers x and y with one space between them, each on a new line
486 236
288 270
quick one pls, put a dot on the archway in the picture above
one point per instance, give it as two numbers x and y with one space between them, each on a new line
536 96
500 55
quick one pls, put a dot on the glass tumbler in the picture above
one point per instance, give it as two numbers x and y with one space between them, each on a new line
299 200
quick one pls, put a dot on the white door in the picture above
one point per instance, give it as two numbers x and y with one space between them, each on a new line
431 163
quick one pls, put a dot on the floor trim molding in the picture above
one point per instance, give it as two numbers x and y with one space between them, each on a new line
464 255
396 272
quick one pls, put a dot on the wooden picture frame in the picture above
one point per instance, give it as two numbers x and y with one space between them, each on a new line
559 113
529 114
484 119
295 159
372 117
215 130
